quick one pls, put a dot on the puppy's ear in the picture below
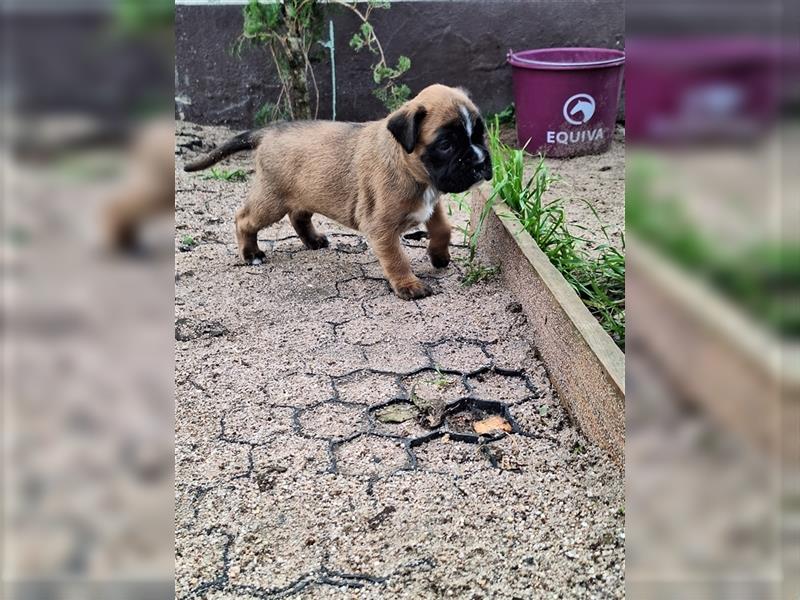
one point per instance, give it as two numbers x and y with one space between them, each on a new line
405 127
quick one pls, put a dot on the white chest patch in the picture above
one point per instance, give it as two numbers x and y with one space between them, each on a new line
429 198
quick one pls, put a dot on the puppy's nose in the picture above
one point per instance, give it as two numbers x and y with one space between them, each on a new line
482 165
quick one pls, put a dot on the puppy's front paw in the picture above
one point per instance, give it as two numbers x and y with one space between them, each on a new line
316 242
254 257
412 290
439 259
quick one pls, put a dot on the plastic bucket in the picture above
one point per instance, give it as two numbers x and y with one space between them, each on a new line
566 99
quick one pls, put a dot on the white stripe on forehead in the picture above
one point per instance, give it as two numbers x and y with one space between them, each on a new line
467 120
468 125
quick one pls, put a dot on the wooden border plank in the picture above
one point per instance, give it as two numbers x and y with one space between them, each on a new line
585 366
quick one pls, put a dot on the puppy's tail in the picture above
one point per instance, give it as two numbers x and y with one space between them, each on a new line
247 140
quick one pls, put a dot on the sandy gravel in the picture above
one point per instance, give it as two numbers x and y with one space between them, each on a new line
287 483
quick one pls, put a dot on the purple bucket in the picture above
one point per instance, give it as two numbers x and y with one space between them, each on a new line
566 99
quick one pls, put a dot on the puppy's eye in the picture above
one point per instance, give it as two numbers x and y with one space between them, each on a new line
445 146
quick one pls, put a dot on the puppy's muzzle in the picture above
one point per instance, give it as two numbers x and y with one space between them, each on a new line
481 167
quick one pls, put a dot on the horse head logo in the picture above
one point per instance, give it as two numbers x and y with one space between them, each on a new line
579 109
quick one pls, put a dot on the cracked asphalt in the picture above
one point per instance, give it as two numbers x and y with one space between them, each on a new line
289 479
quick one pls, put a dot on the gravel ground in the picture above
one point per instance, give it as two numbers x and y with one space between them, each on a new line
288 483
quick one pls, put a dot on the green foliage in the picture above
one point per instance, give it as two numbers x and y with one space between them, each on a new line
188 241
288 30
440 381
390 91
393 96
262 116
226 175
598 277
291 27
474 271
261 21
504 117
270 112
266 23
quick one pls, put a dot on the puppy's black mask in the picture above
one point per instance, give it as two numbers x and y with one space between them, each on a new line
457 158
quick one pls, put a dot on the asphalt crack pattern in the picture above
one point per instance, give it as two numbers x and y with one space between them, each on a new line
291 481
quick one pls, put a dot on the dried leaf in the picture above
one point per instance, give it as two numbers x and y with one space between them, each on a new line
396 413
492 424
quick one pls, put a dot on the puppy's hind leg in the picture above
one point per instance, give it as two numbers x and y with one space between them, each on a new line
301 221
259 211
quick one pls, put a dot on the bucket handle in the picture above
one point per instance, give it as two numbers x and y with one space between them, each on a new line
597 63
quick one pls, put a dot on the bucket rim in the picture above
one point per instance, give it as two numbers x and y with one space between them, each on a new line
515 60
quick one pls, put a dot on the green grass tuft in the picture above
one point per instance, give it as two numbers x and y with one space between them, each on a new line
474 272
225 175
440 381
599 277
503 117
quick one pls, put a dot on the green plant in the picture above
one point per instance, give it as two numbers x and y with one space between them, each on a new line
474 271
440 381
226 175
390 91
188 241
289 29
270 112
597 277
504 117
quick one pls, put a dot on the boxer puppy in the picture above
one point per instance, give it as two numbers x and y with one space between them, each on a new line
380 178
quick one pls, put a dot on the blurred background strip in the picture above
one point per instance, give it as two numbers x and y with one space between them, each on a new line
714 299
87 281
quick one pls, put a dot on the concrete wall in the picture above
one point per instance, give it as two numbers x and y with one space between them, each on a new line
457 43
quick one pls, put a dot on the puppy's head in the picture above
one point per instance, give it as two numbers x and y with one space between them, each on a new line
443 129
